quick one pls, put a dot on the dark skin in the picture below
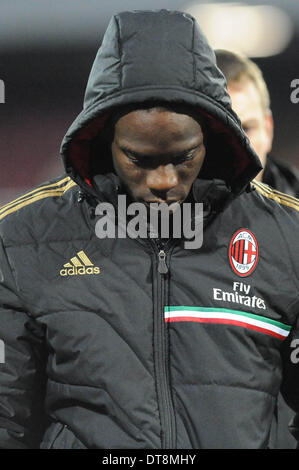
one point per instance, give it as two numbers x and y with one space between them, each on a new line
157 153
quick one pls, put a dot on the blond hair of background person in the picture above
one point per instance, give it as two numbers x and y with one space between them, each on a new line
251 101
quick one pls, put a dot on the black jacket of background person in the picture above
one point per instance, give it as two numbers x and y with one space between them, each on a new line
90 360
282 177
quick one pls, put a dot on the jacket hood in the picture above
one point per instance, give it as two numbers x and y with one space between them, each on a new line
157 56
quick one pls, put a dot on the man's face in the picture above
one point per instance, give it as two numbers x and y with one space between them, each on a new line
157 154
256 122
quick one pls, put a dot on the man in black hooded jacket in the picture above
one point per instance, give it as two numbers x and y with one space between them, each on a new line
143 343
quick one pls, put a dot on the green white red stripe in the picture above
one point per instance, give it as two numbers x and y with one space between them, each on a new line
227 317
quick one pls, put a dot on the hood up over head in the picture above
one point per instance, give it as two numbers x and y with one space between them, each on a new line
157 57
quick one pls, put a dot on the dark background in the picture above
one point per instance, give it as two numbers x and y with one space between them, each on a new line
46 52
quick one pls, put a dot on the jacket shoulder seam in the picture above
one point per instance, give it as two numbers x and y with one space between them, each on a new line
275 195
48 190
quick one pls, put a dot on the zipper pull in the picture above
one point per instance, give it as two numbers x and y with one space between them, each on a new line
162 266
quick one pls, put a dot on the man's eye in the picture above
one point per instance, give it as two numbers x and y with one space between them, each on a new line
184 159
143 163
132 158
149 163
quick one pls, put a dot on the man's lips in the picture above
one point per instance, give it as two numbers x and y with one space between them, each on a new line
172 205
157 201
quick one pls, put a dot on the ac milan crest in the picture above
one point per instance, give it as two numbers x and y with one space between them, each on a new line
243 252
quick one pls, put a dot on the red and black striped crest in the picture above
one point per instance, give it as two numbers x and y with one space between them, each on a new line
243 252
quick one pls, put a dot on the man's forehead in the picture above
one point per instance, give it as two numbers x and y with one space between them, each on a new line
149 108
245 98
158 121
244 90
160 129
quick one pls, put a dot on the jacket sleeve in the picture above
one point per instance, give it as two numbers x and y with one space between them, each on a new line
289 226
22 380
290 383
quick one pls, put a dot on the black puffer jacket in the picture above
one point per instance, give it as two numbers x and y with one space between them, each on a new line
101 349
284 178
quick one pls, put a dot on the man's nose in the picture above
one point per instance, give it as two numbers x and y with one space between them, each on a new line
162 179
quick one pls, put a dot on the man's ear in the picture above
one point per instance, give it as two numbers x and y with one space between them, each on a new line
269 129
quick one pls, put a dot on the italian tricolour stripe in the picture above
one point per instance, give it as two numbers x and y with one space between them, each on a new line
228 317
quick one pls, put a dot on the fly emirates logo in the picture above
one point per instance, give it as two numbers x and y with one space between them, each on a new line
240 295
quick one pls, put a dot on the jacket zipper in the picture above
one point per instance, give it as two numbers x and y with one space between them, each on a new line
162 266
166 410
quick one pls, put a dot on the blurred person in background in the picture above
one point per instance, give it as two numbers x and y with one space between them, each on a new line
251 101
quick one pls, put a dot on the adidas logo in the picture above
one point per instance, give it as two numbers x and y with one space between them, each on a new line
79 265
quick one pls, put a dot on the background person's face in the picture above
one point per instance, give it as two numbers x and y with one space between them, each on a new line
157 154
256 122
